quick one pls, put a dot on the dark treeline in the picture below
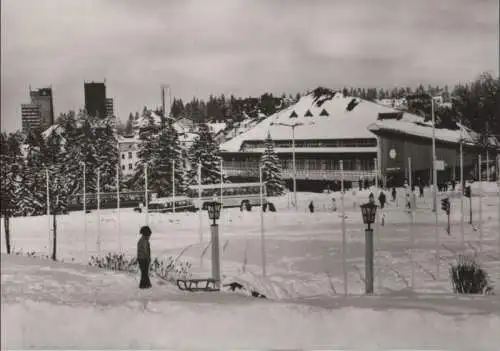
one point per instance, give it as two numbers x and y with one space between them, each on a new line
230 108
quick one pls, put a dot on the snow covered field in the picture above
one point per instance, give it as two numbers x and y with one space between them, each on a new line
45 304
304 272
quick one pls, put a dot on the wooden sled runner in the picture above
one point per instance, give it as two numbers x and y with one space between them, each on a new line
198 284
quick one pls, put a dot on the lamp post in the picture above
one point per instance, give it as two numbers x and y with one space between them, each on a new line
85 209
262 237
368 211
294 171
213 209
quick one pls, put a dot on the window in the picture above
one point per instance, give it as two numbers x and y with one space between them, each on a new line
129 166
293 114
308 114
123 156
129 154
324 113
123 167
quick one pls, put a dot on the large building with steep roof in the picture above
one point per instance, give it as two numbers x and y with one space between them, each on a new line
335 131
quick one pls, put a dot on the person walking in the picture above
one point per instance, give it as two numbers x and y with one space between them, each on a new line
393 194
144 257
382 199
311 207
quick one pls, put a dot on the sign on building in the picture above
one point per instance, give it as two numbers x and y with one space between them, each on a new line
439 165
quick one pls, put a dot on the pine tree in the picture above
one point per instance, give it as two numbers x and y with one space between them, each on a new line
204 150
169 159
148 134
11 163
59 187
158 149
107 155
271 169
34 186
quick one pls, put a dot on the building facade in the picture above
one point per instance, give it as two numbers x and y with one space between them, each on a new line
337 138
110 112
129 148
30 117
95 99
44 99
406 152
326 135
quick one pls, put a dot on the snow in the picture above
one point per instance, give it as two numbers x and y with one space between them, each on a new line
340 124
306 307
70 306
410 128
46 133
217 127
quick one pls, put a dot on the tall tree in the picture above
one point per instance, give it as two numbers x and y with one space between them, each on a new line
478 105
11 164
271 169
204 150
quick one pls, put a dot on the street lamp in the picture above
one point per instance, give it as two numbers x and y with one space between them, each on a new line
213 209
368 211
293 126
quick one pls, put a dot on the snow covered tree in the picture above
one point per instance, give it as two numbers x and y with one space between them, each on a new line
271 169
11 164
148 146
59 187
204 150
167 160
33 199
159 149
107 154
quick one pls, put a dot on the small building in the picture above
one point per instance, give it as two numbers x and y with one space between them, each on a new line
129 148
406 147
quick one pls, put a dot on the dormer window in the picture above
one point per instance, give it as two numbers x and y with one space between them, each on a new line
308 114
324 113
293 114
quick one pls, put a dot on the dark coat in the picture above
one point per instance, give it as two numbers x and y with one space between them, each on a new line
143 249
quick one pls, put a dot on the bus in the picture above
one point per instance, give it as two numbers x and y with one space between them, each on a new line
106 200
233 194
165 204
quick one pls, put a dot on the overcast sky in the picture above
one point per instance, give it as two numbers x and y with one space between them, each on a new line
243 47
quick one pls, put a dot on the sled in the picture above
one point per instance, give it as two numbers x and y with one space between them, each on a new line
206 284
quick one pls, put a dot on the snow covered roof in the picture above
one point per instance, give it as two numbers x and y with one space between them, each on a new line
180 126
216 127
187 137
425 130
345 118
54 128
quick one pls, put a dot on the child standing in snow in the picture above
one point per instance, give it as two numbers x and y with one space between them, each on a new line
144 257
311 207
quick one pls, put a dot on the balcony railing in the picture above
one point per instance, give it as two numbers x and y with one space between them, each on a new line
303 174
